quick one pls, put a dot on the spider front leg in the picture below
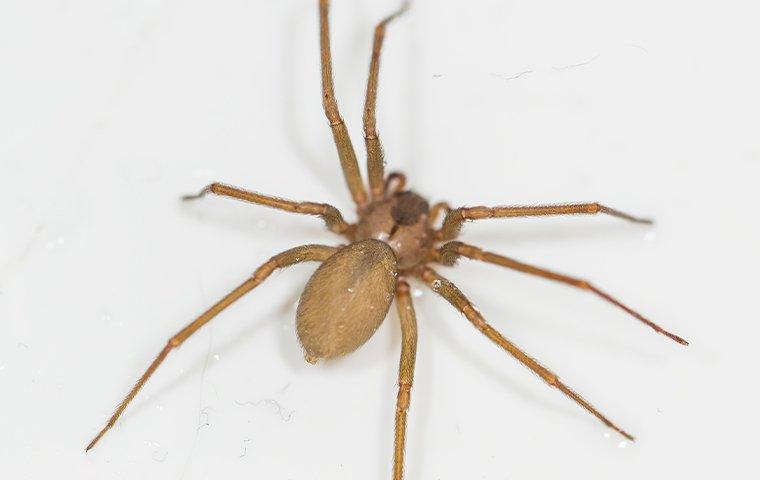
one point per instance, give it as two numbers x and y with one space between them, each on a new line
375 166
329 214
450 252
300 254
405 373
456 298
346 151
452 224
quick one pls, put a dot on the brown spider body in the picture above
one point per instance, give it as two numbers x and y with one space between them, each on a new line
350 293
346 299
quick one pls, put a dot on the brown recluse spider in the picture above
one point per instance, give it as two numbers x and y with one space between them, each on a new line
395 239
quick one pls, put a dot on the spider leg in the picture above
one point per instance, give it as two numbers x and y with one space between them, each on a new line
329 214
405 373
340 133
455 218
435 212
394 183
375 167
450 252
289 257
456 298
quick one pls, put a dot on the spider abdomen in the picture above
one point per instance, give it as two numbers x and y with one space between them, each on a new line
346 299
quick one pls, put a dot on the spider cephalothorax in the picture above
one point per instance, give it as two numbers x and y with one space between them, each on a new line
402 221
394 240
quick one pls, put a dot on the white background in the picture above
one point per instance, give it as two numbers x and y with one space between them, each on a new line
109 111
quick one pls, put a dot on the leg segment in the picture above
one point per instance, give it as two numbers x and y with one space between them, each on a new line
456 298
284 259
455 218
405 373
340 133
375 168
435 212
450 252
329 214
394 183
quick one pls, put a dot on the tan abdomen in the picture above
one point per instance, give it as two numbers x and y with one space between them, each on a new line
346 299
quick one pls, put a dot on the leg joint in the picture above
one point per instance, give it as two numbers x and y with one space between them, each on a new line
403 399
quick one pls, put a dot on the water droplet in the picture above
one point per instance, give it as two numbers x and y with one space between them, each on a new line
350 290
159 453
216 356
622 444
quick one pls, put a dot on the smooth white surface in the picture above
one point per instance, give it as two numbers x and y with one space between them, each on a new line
109 111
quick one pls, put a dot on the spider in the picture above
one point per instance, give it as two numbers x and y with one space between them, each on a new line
394 240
